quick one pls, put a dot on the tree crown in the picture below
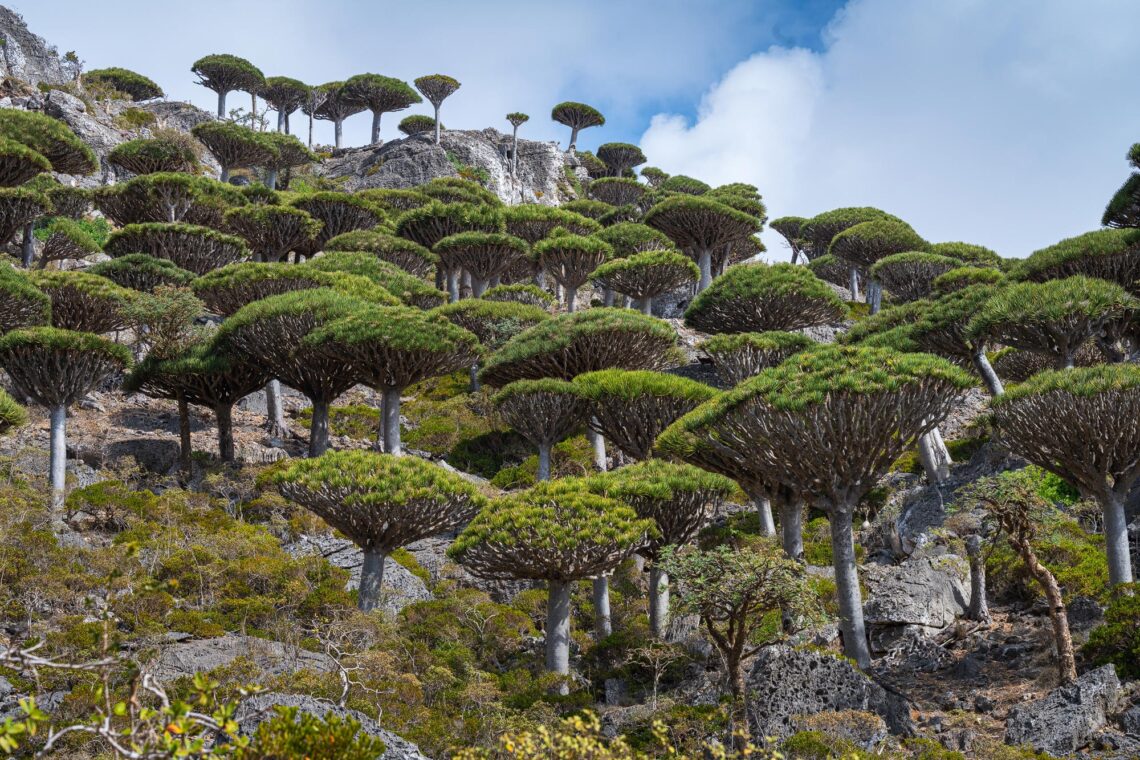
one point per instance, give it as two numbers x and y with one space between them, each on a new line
133 84
577 115
437 87
417 124
49 137
963 277
223 72
629 384
757 297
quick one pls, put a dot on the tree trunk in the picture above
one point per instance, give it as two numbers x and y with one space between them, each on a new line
792 530
452 286
1066 662
598 444
979 609
281 120
573 139
544 461
274 411
558 631
1116 540
853 273
287 124
658 602
391 414
222 104
514 151
338 125
184 447
253 110
608 297
986 371
740 732
376 127
223 414
371 580
874 296
764 512
571 299
704 261
271 179
935 457
225 175
58 457
319 429
603 622
28 247
847 588
646 306
310 130
478 286
475 384
436 107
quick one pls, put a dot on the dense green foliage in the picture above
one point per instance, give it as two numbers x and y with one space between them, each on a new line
134 85
762 297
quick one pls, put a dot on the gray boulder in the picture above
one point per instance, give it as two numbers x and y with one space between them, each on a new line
272 658
786 682
26 56
927 592
1067 718
259 707
1130 721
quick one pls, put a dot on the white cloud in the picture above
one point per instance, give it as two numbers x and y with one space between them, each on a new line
999 123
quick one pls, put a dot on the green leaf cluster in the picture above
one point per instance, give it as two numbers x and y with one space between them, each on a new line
761 297
49 137
135 85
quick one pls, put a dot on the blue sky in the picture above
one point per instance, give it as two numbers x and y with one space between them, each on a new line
1000 122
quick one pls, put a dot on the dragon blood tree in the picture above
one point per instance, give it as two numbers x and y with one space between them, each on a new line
1014 365
556 532
235 146
458 190
873 402
195 249
168 197
19 163
679 184
272 332
134 85
380 502
492 322
1057 317
864 244
542 411
50 138
620 158
830 269
272 231
629 238
654 176
393 202
699 226
204 376
224 73
338 213
285 96
816 234
84 302
963 277
19 209
380 95
970 253
436 88
291 153
739 356
789 228
910 276
570 259
632 407
429 224
1053 418
1123 209
679 499
22 304
150 155
57 368
516 119
577 116
764 297
65 239
392 348
1112 254
594 166
409 256
331 105
644 276
484 255
388 277
617 191
586 207
531 295
417 124
533 222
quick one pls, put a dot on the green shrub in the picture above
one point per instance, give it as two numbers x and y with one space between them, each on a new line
1117 641
291 733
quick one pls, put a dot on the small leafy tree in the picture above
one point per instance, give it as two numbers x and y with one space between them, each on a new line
864 244
136 86
338 213
406 254
587 207
416 124
19 209
570 259
1112 254
764 297
57 368
644 276
50 138
531 295
381 502
168 197
190 247
542 411
617 191
790 228
577 116
235 146
291 153
379 94
910 276
224 73
492 322
436 88
654 176
485 255
332 105
698 226
285 96
558 532
66 239
272 231
963 277
739 356
533 222
389 277
150 155
817 233
19 163
516 120
680 184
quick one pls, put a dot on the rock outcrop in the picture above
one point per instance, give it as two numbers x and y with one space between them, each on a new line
26 56
1067 718
259 707
929 593
272 658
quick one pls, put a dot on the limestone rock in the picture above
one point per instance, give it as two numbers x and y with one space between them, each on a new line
1067 718
259 707
271 657
930 592
26 56
786 682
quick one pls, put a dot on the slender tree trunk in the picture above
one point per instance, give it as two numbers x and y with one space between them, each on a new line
436 107
1066 662
792 530
391 414
874 296
598 444
847 588
478 286
514 151
1116 540
371 580
475 384
222 104
225 175
452 285
704 261
603 622
608 297
646 305
558 631
274 410
935 457
253 110
58 457
287 124
544 461
271 179
184 446
319 429
658 602
376 127
571 299
573 139
338 125
310 130
979 609
986 371
1067 360
28 247
740 733
281 121
854 284
223 413
764 512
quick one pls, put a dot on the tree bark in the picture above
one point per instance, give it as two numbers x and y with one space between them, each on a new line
478 286
847 588
792 530
740 733
874 296
658 602
1066 662
310 130
274 411
853 274
571 299
573 139
558 631
436 107
281 120
598 444
1116 540
514 151
287 124
222 104
986 371
319 429
371 580
58 466
452 286
376 127
338 125
391 414
935 457
223 414
271 179
979 608
184 447
704 261
646 306
544 461
475 384
28 246
764 512
603 622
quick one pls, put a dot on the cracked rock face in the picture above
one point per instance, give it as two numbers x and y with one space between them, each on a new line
273 658
26 56
929 592
1066 719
